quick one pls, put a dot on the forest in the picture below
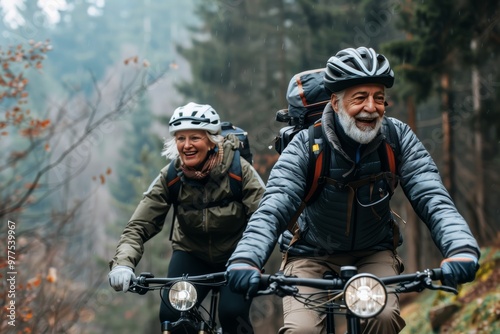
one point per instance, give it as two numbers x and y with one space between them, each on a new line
86 91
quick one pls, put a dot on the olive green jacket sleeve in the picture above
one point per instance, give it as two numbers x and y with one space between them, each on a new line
146 222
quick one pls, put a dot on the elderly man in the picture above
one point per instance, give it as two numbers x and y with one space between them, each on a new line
336 229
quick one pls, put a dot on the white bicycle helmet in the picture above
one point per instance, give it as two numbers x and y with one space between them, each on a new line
195 116
351 67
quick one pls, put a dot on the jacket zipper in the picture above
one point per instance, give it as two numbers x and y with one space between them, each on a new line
353 224
205 219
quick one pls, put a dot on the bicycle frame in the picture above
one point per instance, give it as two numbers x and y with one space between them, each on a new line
191 318
287 286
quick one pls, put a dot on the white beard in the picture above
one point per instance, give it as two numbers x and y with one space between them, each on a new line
362 136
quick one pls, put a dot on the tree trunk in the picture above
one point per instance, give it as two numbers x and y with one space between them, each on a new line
412 229
447 169
478 206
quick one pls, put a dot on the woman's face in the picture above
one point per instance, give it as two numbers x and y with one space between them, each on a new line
193 147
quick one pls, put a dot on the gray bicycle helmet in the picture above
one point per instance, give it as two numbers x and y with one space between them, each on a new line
351 67
195 116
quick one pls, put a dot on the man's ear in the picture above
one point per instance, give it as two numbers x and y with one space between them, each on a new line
335 102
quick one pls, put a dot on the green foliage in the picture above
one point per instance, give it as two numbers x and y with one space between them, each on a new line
243 56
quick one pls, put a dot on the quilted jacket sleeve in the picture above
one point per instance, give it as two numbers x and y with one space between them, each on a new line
281 199
422 185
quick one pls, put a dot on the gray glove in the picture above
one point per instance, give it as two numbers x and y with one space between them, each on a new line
120 277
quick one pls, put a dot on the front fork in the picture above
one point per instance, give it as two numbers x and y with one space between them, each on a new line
353 322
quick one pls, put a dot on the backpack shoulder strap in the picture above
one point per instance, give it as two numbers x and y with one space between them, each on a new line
174 187
319 162
173 183
317 169
391 151
392 147
388 152
236 177
318 166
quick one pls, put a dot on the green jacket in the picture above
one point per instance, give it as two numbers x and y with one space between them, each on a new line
210 234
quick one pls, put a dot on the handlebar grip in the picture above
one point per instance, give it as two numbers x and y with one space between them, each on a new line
264 282
437 273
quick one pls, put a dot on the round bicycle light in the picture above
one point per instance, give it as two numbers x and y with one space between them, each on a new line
182 295
365 295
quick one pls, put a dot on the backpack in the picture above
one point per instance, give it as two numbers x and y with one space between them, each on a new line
307 98
228 127
234 172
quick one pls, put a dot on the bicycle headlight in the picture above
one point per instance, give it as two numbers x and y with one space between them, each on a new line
365 295
182 295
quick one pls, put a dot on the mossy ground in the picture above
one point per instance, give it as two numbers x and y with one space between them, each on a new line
476 309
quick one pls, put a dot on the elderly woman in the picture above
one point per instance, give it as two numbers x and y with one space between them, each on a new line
204 236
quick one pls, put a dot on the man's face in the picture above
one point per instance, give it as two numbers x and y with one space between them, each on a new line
361 110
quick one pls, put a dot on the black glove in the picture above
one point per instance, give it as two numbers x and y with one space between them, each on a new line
458 269
243 278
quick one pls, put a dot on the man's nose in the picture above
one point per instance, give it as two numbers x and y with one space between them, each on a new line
370 104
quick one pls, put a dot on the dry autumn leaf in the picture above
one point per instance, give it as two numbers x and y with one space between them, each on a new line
34 282
52 275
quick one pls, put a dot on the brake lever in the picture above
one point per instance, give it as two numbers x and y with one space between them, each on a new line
138 289
428 283
445 288
286 290
139 284
410 287
281 291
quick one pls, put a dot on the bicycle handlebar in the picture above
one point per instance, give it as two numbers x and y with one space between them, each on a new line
287 285
141 284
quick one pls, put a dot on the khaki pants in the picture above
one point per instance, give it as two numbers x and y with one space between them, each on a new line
299 319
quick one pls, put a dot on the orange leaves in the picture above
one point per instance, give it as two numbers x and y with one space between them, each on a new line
102 178
40 123
26 313
13 84
34 282
35 129
135 60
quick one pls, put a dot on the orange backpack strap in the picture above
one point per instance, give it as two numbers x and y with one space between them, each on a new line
319 162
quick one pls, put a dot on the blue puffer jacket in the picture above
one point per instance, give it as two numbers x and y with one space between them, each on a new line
324 225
